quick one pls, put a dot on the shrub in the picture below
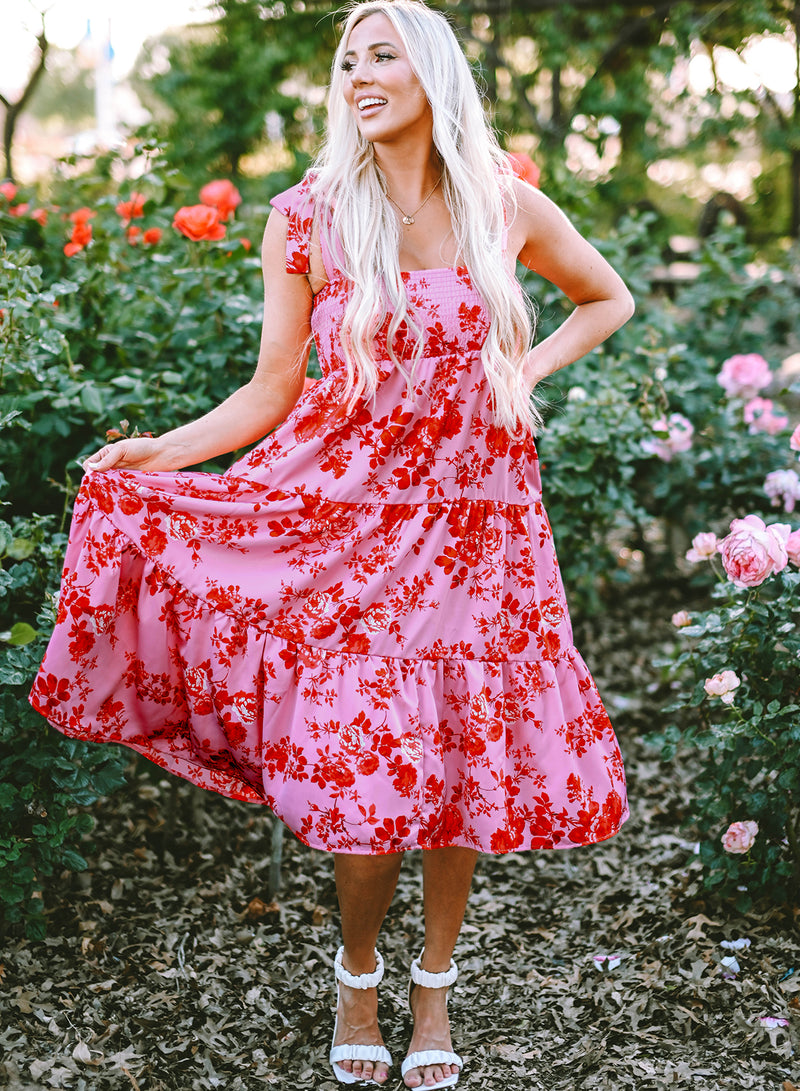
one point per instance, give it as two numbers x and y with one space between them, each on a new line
740 663
45 779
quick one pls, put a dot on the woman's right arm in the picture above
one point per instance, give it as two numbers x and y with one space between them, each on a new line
255 408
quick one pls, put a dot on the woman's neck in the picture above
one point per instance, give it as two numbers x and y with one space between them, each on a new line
409 177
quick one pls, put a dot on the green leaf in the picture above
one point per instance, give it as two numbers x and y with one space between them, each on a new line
20 634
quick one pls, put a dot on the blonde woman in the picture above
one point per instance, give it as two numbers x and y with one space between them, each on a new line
361 623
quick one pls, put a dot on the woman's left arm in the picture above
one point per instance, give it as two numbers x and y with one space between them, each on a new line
547 243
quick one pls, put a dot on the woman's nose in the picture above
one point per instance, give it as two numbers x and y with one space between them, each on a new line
359 73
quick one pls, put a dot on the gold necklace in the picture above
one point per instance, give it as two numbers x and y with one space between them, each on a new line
408 217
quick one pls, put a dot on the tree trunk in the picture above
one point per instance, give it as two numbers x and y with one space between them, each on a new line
14 109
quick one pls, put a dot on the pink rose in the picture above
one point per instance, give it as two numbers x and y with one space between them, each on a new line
794 442
753 551
739 836
793 547
673 436
742 376
704 546
681 619
759 416
783 487
722 685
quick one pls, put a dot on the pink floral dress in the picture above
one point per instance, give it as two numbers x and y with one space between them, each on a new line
360 624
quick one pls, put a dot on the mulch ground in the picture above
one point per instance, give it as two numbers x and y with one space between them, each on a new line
167 968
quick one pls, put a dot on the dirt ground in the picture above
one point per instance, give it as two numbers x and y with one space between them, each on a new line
167 968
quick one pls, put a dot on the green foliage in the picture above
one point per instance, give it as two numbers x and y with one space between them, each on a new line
750 749
221 81
45 780
152 334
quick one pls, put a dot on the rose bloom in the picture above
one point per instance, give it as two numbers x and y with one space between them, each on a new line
151 236
794 442
759 416
81 237
793 547
525 168
132 234
783 487
132 209
744 375
223 195
40 215
722 685
739 837
753 551
8 190
681 619
679 431
81 216
19 210
704 546
199 222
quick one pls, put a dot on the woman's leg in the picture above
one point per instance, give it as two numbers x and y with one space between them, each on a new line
365 886
446 877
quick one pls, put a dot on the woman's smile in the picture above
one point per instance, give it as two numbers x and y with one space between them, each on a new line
380 86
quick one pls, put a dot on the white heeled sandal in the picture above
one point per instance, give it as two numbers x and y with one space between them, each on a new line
422 1058
355 1052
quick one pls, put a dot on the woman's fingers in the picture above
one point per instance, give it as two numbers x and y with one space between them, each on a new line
122 454
140 453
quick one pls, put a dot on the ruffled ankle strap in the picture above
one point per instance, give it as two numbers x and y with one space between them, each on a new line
432 981
358 981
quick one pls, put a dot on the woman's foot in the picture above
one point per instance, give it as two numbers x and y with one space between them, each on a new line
431 1031
357 1024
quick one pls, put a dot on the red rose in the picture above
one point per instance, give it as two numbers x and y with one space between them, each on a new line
367 764
525 168
154 541
82 216
223 195
151 236
132 209
341 775
199 222
130 504
81 237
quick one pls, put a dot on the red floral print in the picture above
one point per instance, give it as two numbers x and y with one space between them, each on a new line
361 624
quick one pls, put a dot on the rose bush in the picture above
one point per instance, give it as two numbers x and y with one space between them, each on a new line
741 661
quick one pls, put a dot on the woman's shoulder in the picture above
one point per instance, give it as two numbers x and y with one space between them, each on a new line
296 199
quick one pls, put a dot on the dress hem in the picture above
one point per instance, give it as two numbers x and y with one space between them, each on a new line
184 768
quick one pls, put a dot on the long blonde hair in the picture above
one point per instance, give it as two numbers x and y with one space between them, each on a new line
350 194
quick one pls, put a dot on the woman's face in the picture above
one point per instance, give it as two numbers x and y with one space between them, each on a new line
380 87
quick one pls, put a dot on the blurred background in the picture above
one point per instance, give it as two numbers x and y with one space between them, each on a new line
690 109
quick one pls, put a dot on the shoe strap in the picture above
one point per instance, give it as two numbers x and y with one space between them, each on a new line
360 1053
358 981
424 1057
432 981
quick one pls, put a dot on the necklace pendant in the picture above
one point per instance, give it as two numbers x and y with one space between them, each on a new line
408 220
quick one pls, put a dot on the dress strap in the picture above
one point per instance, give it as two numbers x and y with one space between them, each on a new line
297 204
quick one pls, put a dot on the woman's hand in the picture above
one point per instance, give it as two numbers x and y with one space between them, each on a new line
142 453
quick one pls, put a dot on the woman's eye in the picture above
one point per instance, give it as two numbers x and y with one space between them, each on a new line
384 56
347 66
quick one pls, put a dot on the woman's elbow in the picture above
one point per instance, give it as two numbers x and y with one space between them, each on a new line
627 307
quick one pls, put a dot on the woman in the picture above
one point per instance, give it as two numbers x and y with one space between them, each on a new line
361 623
